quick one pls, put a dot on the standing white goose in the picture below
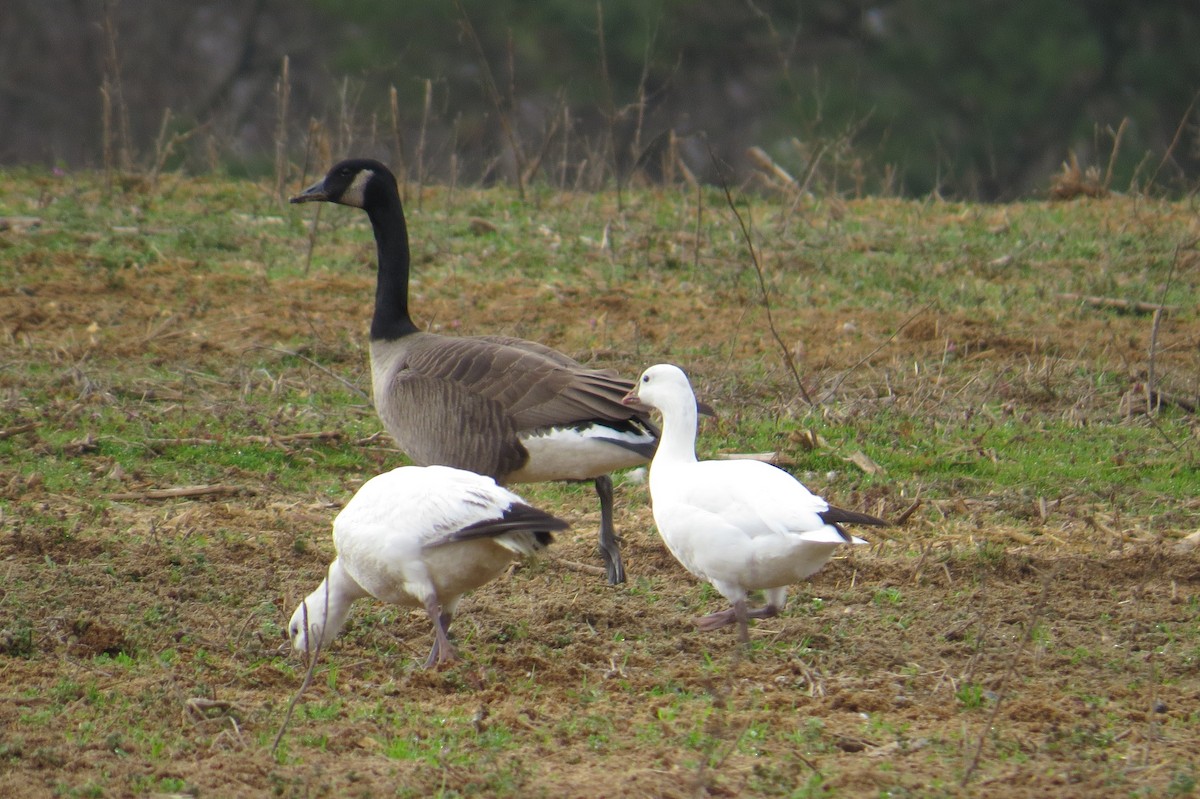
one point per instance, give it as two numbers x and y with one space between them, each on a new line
512 409
741 525
419 536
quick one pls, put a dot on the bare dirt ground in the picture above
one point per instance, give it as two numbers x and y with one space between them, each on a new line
138 653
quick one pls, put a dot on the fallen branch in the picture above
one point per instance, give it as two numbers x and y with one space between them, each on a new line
772 458
199 707
909 511
16 431
1158 399
1136 306
778 174
186 441
864 462
586 568
317 435
19 223
182 491
1141 400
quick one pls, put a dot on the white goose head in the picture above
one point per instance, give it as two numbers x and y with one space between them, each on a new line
663 387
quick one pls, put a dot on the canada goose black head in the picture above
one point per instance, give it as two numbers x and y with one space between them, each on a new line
357 182
371 186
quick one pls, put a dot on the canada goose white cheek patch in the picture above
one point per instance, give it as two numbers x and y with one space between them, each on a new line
356 193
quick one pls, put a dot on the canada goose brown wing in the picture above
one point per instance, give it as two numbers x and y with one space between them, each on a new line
532 346
437 420
533 389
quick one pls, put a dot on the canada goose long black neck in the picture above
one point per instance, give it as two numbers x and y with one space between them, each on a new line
382 204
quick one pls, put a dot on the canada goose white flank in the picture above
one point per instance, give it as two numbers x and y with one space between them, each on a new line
741 525
512 409
419 536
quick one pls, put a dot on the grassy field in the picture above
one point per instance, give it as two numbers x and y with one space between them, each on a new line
183 410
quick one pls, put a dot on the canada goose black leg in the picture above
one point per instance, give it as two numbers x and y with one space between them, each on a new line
610 548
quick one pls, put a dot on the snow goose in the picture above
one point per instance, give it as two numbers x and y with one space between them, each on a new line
419 536
512 409
741 525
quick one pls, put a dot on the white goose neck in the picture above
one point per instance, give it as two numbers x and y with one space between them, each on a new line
678 440
329 605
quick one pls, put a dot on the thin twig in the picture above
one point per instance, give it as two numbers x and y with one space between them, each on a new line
788 360
112 63
489 85
185 441
841 379
1154 398
283 92
1151 378
1035 616
1157 323
399 158
609 110
308 675
1183 126
314 365
426 109
1112 156
312 237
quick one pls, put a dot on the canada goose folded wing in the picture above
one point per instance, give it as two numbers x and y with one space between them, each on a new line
560 358
483 440
532 389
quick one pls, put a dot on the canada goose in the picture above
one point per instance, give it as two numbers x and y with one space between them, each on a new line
741 525
512 409
419 536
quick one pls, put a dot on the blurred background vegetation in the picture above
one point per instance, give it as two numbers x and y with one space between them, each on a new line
981 100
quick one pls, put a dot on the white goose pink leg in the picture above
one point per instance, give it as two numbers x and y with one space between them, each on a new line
442 652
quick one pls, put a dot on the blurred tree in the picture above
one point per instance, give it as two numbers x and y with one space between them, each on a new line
980 99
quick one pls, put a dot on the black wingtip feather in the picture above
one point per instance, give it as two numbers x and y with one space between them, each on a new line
516 519
837 516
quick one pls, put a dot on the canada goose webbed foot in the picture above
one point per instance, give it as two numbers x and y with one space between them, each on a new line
613 565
